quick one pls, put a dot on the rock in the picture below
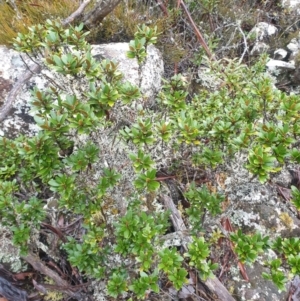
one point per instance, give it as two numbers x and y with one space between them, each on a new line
253 207
286 65
280 54
293 46
295 286
151 74
263 30
274 65
292 5
11 69
258 288
20 120
259 48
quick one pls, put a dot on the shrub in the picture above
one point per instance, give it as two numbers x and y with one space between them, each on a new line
245 114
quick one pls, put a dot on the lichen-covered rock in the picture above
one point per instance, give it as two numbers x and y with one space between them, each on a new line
291 4
20 120
262 31
255 207
11 69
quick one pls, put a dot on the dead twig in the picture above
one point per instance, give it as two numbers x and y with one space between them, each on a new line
228 227
39 266
213 283
163 8
99 11
245 42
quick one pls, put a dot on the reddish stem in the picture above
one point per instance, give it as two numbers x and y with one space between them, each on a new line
197 32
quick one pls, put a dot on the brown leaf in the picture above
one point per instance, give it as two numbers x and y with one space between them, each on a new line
22 276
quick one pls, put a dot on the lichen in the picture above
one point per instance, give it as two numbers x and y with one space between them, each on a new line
9 254
53 295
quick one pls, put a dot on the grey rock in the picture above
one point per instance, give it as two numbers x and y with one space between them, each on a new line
291 4
263 30
20 120
280 54
274 65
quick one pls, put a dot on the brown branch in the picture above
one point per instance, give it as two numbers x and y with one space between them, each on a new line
213 283
101 10
163 8
76 13
38 265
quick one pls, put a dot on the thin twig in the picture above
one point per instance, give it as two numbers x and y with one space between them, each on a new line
197 32
163 8
245 41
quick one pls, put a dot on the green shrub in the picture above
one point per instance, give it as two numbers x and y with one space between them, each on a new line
245 114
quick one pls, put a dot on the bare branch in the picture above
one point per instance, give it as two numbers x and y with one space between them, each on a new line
76 13
38 265
245 41
101 10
